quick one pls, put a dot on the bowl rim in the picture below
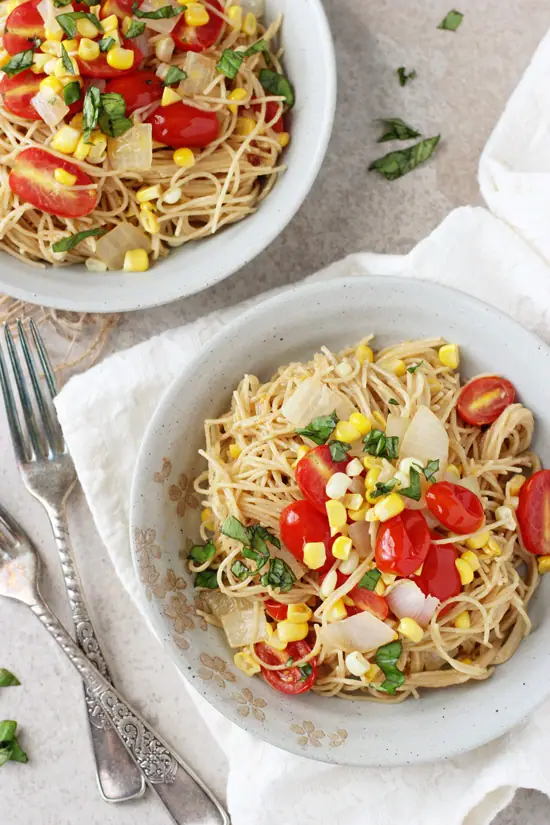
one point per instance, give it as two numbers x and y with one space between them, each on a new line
474 736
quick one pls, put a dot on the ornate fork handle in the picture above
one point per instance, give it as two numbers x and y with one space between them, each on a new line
182 792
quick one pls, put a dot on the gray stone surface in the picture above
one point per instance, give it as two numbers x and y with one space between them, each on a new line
463 82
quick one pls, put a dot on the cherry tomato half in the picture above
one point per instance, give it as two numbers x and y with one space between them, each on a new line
312 473
534 513
198 38
300 523
482 400
402 543
180 125
456 507
138 89
271 109
32 179
100 68
369 600
439 575
17 92
290 680
23 25
276 610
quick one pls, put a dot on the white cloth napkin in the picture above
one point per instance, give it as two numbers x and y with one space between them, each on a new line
104 413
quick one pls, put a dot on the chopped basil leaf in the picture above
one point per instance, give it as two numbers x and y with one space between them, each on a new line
18 63
396 164
404 77
233 529
7 679
378 444
254 538
105 44
277 84
202 553
68 243
9 746
259 532
383 488
240 570
397 129
112 115
207 579
159 14
59 3
338 450
370 579
394 401
71 92
135 28
414 368
260 46
231 60
431 469
69 20
279 575
289 661
306 671
386 658
414 490
174 75
452 21
259 557
66 61
90 111
320 429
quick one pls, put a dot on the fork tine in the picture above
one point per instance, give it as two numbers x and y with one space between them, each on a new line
52 432
23 394
44 360
11 413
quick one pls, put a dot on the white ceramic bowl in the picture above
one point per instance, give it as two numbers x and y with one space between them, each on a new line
293 326
310 64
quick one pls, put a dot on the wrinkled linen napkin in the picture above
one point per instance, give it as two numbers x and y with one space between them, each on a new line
105 411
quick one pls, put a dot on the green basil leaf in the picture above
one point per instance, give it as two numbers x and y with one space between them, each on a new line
378 444
396 164
370 579
69 20
7 679
414 367
277 84
397 129
105 44
265 534
202 553
114 128
112 115
18 63
320 429
289 661
240 570
229 63
451 21
135 29
383 488
404 77
68 243
392 447
207 579
414 490
386 658
71 92
174 75
90 111
394 401
66 61
260 558
260 46
7 731
306 671
339 450
279 575
60 3
431 469
113 104
233 529
159 14
17 753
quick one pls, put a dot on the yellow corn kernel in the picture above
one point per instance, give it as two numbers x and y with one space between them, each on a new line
379 420
246 662
88 49
250 24
411 629
38 62
119 58
389 506
235 14
380 587
359 515
99 146
51 47
136 260
64 177
82 150
245 126
373 673
453 470
360 422
544 564
169 96
470 558
54 35
369 461
364 353
478 541
51 84
371 516
372 477
66 140
301 452
337 515
462 621
492 548
315 554
337 611
86 28
148 193
273 639
77 122
115 35
110 23
434 384
353 501
237 95
196 15
398 367
70 46
357 664
341 547
292 631
184 158
283 139
126 23
465 660
61 71
345 431
299 613
464 571
235 450
449 355
149 220
515 484
388 578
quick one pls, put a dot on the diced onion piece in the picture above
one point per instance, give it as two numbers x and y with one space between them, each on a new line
113 246
166 24
397 425
162 70
354 468
49 14
132 150
359 533
95 265
245 627
312 399
337 485
49 106
470 482
427 440
220 604
360 632
200 71
285 555
256 7
406 599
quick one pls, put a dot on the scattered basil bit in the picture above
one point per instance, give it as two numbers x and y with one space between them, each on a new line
112 115
277 84
233 529
338 450
397 129
135 28
105 44
159 14
71 92
7 679
207 579
90 111
394 401
202 553
254 538
174 75
306 671
414 368
66 244
10 748
66 61
60 3
386 658
383 488
289 661
452 21
396 164
431 469
18 63
370 579
414 490
404 77
69 20
378 444
240 570
231 60
320 429
279 575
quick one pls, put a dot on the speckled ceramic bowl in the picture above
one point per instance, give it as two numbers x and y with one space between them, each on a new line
164 520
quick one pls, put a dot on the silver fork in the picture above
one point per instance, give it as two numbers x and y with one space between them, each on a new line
185 796
49 474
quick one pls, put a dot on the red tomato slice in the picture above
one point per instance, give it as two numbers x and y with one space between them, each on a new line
271 109
180 125
300 523
312 473
24 23
276 610
439 575
290 680
482 400
534 513
32 179
100 68
456 507
198 38
138 89
369 600
17 92
402 543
